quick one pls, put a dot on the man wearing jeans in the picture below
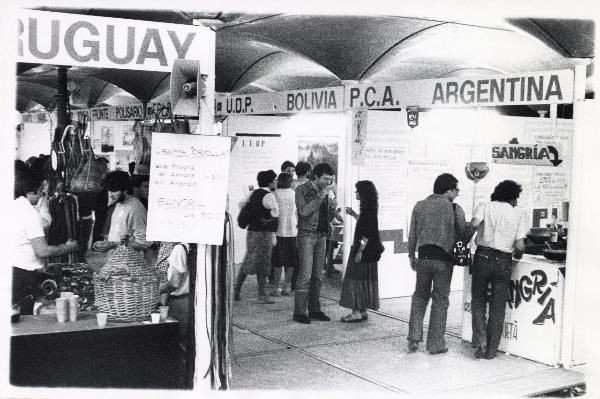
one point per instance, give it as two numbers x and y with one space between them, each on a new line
501 229
312 204
432 232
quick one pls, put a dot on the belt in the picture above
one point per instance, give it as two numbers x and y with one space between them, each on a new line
493 251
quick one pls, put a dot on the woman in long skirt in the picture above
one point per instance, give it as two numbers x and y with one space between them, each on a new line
360 286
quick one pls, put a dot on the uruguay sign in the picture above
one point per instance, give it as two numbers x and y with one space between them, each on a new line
70 39
527 154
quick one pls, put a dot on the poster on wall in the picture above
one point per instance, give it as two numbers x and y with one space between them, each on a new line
319 150
107 143
359 137
125 143
180 208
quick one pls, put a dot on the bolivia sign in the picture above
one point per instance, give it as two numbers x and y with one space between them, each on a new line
527 154
188 188
328 99
71 39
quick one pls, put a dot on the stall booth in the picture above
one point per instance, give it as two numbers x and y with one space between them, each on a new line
141 353
401 135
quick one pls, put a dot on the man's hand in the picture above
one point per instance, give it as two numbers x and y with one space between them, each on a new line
358 257
72 244
413 263
104 246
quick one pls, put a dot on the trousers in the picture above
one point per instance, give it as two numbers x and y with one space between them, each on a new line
311 254
489 267
433 281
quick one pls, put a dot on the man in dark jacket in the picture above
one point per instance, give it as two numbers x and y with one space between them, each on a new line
312 203
432 235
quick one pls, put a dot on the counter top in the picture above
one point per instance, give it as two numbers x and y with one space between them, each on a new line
539 259
86 321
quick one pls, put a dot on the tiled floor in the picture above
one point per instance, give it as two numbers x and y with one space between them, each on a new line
273 352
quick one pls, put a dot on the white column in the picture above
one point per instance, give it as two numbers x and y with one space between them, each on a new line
581 264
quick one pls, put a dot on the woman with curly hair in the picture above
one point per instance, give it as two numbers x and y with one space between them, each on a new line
360 286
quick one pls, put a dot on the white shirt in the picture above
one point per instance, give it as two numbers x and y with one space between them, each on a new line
288 218
178 262
501 225
29 226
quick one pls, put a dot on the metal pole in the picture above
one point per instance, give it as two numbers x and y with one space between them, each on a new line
62 100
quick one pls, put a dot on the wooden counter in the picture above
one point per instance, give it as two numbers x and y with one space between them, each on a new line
80 354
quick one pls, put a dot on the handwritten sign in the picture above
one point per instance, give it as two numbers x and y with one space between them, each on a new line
188 188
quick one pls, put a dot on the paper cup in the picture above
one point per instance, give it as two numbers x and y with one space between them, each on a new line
155 317
102 317
62 309
164 312
73 307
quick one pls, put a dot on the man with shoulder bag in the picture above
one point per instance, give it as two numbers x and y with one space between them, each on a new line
433 235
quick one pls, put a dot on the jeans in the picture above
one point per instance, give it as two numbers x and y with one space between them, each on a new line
489 266
438 274
23 284
311 254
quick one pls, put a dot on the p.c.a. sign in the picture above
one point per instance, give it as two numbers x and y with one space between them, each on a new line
527 154
70 39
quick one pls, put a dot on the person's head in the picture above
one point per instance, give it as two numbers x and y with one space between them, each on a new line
446 184
141 186
507 191
284 180
27 183
323 175
366 193
266 179
303 169
288 167
118 184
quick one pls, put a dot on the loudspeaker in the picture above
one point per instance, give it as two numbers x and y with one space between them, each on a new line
187 87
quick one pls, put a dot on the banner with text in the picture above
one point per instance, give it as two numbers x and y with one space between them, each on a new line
188 188
551 87
73 39
328 99
527 154
127 112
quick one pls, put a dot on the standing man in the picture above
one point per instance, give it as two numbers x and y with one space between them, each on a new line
312 204
128 217
501 230
302 171
432 235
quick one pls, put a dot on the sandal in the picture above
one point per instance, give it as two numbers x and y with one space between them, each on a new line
352 318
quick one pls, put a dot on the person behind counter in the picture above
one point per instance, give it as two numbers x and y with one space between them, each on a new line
141 188
128 217
501 230
30 243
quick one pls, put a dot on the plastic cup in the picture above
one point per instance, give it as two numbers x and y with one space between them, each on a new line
155 318
102 317
73 307
164 312
62 309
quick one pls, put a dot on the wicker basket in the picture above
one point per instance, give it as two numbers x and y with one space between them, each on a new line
126 288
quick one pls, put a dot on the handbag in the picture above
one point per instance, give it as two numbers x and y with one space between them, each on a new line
89 174
461 254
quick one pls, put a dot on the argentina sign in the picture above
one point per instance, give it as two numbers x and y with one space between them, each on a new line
527 154
71 39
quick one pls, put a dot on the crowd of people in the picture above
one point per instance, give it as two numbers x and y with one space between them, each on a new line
289 222
119 209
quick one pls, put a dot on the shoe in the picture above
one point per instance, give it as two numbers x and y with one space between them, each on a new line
318 316
364 315
276 292
490 356
286 292
480 352
236 296
266 300
438 352
352 318
413 346
301 318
